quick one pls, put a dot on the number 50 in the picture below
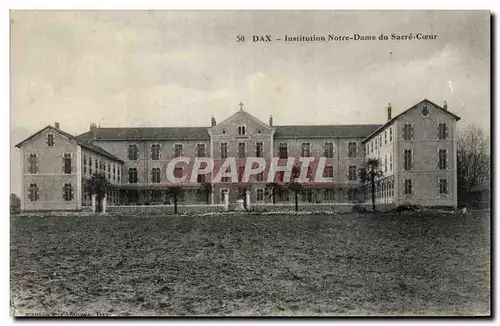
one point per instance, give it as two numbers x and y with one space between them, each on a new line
240 38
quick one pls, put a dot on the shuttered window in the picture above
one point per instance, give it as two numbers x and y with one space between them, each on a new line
68 192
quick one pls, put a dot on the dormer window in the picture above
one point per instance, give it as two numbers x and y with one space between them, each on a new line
241 130
425 111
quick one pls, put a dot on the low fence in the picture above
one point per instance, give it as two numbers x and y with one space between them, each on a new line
163 209
256 207
308 207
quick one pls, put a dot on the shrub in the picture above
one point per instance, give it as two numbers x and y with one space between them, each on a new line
358 209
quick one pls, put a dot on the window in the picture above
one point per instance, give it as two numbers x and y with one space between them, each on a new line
408 187
390 162
241 170
68 192
390 134
132 175
283 150
351 147
241 150
329 194
407 159
385 164
118 174
84 164
259 149
177 150
260 194
96 166
328 173
109 171
425 111
155 152
371 145
200 150
33 164
241 130
132 152
50 140
443 186
155 175
178 171
385 137
306 150
352 173
443 131
114 172
442 159
260 176
225 179
90 165
33 192
200 178
223 150
67 163
329 150
408 132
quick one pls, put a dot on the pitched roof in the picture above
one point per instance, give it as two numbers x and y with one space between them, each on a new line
413 107
324 131
80 142
147 133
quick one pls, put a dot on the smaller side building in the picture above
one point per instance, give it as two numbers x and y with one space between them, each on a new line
417 151
52 174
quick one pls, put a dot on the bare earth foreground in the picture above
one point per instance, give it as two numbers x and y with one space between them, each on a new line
355 264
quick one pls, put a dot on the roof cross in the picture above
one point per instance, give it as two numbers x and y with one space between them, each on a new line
241 106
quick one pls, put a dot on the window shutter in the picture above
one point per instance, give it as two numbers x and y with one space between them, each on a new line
63 197
160 152
62 161
412 132
445 131
72 193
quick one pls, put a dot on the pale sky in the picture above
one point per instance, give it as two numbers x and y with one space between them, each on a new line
177 68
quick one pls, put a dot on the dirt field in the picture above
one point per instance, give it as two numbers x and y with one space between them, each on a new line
251 265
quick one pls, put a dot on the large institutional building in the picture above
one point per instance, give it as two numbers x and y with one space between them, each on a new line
416 149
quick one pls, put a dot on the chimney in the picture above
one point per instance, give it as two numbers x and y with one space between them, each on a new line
56 125
271 120
93 126
389 112
213 121
445 106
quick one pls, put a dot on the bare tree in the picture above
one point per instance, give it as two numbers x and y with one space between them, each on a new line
368 174
473 159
